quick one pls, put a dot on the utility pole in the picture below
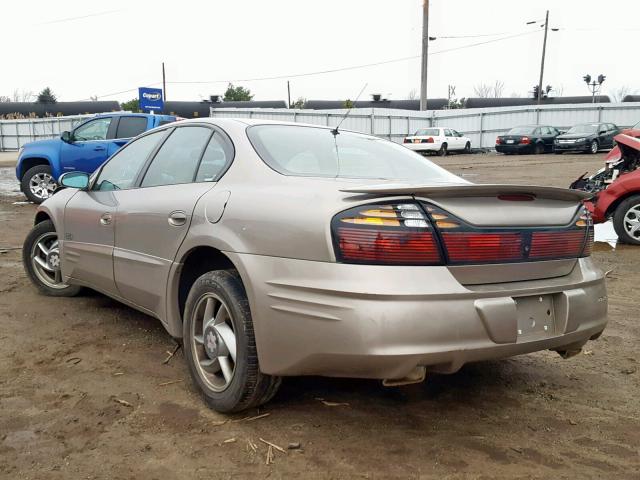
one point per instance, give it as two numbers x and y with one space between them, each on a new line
164 85
425 53
544 50
288 95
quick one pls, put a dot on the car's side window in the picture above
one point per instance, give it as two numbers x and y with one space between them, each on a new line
447 132
129 127
94 130
121 171
215 159
178 158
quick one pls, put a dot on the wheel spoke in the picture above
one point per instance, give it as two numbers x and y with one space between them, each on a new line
212 365
221 316
228 338
43 248
199 339
207 317
225 366
43 264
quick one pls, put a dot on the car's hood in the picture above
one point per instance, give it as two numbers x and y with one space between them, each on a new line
42 144
571 136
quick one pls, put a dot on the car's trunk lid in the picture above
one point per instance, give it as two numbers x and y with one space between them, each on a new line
520 232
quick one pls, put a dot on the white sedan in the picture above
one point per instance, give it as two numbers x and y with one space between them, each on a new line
438 139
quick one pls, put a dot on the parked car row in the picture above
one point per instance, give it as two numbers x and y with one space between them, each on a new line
537 139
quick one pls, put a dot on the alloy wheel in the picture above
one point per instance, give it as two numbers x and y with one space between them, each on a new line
214 342
45 259
632 222
594 147
42 185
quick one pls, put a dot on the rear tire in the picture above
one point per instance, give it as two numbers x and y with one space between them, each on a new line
443 150
626 220
44 273
240 384
37 184
538 149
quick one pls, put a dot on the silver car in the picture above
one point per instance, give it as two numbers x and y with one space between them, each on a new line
274 249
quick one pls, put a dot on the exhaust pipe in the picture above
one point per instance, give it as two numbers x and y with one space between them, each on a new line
569 353
417 375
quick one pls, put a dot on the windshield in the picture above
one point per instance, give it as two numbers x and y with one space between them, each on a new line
636 126
308 151
583 129
521 131
424 132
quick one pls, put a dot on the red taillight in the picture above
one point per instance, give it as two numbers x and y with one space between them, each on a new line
483 247
367 245
498 141
568 244
427 140
525 140
388 234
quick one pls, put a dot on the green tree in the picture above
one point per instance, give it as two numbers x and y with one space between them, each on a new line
132 105
47 96
299 103
237 94
348 103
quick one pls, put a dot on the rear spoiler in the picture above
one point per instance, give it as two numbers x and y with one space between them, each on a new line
470 190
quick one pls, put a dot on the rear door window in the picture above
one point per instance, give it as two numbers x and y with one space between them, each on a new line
217 156
130 127
178 159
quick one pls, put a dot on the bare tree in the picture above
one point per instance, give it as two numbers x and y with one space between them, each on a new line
497 89
482 90
619 93
4 99
23 96
413 94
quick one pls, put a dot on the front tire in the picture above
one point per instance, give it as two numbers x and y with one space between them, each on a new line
41 259
220 345
594 147
626 220
38 184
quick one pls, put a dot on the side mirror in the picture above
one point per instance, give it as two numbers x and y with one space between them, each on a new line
66 137
75 180
602 131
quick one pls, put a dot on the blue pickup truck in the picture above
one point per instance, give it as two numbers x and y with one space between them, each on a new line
85 148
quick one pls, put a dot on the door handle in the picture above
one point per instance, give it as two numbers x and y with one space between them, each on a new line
177 219
99 149
106 218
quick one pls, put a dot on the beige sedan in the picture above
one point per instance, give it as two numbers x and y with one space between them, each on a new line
273 249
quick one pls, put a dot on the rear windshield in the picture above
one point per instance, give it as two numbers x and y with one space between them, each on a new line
308 151
521 131
583 129
427 131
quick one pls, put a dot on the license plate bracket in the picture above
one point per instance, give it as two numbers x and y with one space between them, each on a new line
510 141
535 316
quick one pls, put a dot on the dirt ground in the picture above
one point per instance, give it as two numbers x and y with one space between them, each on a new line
84 392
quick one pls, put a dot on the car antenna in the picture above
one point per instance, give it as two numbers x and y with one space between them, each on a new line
335 130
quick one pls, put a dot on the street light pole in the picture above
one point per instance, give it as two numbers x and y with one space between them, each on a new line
425 53
544 50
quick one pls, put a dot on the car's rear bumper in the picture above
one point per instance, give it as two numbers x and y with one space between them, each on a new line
515 148
423 147
317 318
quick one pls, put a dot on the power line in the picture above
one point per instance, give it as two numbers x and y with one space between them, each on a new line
332 70
71 19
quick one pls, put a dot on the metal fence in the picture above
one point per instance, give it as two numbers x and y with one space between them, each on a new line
15 133
482 125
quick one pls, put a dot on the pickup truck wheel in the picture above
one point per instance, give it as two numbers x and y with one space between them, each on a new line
626 220
220 346
37 183
41 259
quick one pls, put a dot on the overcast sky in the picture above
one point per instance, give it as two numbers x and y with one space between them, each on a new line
82 48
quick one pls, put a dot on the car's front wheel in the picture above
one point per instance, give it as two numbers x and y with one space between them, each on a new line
220 346
467 148
38 184
594 147
41 259
626 220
